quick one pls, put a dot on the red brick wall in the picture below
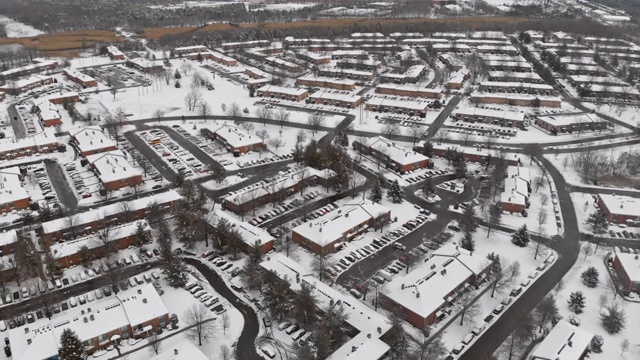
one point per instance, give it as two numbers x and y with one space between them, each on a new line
115 185
514 208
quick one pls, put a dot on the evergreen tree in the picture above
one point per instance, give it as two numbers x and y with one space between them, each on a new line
590 277
70 346
576 301
428 188
467 242
521 237
376 191
394 192
461 168
614 319
468 222
427 149
599 223
142 236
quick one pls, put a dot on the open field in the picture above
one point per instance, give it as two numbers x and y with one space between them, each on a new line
72 40
484 22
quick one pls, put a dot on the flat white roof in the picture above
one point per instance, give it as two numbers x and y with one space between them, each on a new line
8 237
365 349
501 114
11 188
92 138
515 75
235 136
282 62
284 90
564 120
38 65
516 96
403 104
347 71
333 225
142 305
78 75
418 89
38 140
194 48
250 234
618 204
114 51
328 80
113 166
564 342
21 83
144 63
88 321
516 85
283 181
328 95
93 241
425 289
48 110
414 71
360 62
111 209
396 153
631 265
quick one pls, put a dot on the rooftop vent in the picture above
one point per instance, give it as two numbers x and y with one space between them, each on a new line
139 291
144 300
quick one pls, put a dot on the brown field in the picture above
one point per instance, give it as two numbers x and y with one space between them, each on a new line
72 40
156 33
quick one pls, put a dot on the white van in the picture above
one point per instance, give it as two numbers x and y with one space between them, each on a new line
458 349
268 352
73 302
467 339
385 275
303 339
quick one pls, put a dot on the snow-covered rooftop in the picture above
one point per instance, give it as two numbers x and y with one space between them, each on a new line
111 209
618 204
396 153
39 65
328 95
329 80
142 305
11 188
93 241
113 166
22 83
502 114
78 75
91 139
402 104
184 350
8 237
631 265
413 88
564 342
235 136
284 90
516 85
564 120
38 140
47 110
426 288
333 225
250 234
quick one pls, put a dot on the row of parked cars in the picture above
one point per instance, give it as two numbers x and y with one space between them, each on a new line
262 161
151 172
44 183
178 158
209 300
427 174
297 333
78 177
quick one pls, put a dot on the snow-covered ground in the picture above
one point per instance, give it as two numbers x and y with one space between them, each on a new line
499 243
585 205
590 317
18 29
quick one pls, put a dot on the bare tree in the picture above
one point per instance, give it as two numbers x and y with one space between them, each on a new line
199 324
276 143
154 343
612 286
192 99
264 113
559 286
114 85
441 136
503 277
587 250
416 132
282 116
204 109
225 352
469 307
263 135
71 222
624 346
390 129
234 111
602 301
316 121
158 114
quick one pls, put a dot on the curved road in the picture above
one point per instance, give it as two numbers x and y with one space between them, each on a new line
245 348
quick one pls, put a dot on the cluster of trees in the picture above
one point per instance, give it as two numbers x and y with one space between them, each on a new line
324 155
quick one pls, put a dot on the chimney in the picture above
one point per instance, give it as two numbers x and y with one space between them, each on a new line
175 351
144 300
91 317
29 341
139 291
85 319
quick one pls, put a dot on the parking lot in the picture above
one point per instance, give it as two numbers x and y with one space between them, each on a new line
178 158
85 182
47 192
30 121
122 75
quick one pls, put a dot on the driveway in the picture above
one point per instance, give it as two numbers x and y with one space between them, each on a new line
61 185
245 348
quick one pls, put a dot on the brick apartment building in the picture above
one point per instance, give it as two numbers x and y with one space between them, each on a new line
619 209
280 92
23 85
627 266
515 99
392 156
560 124
347 74
48 113
91 140
410 91
39 65
79 78
115 54
325 234
42 143
331 83
234 139
114 171
335 98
